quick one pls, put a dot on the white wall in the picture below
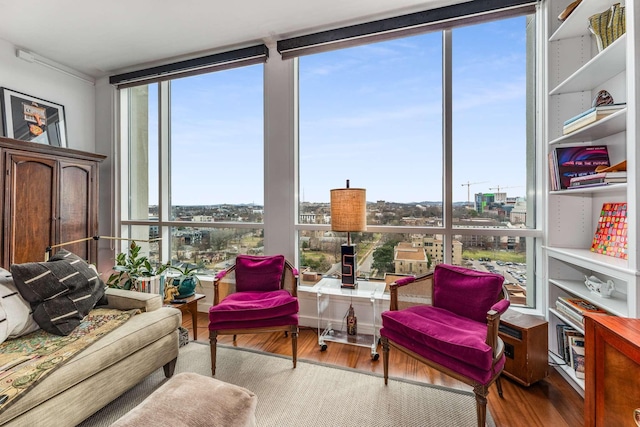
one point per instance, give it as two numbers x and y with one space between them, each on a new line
77 97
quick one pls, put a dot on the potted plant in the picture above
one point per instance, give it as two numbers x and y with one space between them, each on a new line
133 271
186 281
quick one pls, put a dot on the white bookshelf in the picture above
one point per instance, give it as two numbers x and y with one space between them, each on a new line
575 72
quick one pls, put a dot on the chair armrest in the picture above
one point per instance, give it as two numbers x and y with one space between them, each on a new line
501 306
220 275
126 300
216 282
393 288
493 323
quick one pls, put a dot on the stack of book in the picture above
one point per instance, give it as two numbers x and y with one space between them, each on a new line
574 308
589 116
596 179
570 162
571 348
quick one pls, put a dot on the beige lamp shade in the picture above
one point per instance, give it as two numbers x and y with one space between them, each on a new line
349 209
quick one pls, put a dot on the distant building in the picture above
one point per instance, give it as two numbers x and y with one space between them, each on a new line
483 201
410 259
307 218
422 253
202 218
435 250
519 213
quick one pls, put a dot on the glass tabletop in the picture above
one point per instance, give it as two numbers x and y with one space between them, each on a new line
364 289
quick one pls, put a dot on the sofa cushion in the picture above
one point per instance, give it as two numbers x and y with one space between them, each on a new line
61 291
434 328
16 318
252 306
259 273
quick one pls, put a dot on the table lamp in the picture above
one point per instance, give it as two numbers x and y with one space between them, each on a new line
348 213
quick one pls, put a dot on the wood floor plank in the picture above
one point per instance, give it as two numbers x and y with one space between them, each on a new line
550 402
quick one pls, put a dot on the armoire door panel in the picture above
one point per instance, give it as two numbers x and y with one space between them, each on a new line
75 207
31 207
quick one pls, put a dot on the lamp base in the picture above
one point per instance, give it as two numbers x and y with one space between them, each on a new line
348 266
349 285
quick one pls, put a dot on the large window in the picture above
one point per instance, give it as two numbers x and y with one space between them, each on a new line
195 167
435 127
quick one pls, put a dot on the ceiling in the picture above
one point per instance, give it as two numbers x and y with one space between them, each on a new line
100 38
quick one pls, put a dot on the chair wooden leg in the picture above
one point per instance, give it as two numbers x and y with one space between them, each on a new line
213 341
481 392
385 358
234 338
499 385
294 345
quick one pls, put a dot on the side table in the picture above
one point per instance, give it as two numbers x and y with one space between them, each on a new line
367 293
190 306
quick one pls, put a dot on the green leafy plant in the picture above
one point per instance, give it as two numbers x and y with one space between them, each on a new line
131 266
187 280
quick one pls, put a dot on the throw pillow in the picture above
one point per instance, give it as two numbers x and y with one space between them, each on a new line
16 318
61 291
259 273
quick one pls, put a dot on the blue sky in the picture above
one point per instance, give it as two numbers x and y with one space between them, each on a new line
371 114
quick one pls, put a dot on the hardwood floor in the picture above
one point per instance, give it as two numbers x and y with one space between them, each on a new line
550 402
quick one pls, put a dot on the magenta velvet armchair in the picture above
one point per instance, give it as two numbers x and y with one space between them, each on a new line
458 333
262 298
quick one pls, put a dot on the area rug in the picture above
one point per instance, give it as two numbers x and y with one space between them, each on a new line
312 394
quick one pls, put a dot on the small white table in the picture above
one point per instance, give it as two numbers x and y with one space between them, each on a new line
328 291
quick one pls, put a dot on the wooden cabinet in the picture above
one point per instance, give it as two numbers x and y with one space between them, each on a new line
612 368
49 196
575 71
525 341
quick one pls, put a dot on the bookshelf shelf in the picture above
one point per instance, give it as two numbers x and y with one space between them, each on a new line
575 71
586 259
574 25
611 188
567 372
616 304
567 320
612 124
601 68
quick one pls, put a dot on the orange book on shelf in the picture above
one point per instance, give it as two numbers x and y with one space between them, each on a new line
611 233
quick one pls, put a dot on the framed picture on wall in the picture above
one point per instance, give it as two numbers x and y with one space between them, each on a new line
28 118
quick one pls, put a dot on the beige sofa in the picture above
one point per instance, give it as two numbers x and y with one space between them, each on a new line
105 369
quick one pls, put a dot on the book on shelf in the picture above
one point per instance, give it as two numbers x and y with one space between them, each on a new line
602 178
611 232
589 116
570 162
576 344
570 315
563 331
580 306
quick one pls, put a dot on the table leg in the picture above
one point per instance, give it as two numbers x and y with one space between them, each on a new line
194 319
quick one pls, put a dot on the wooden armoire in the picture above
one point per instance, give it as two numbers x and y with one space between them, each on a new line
50 196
